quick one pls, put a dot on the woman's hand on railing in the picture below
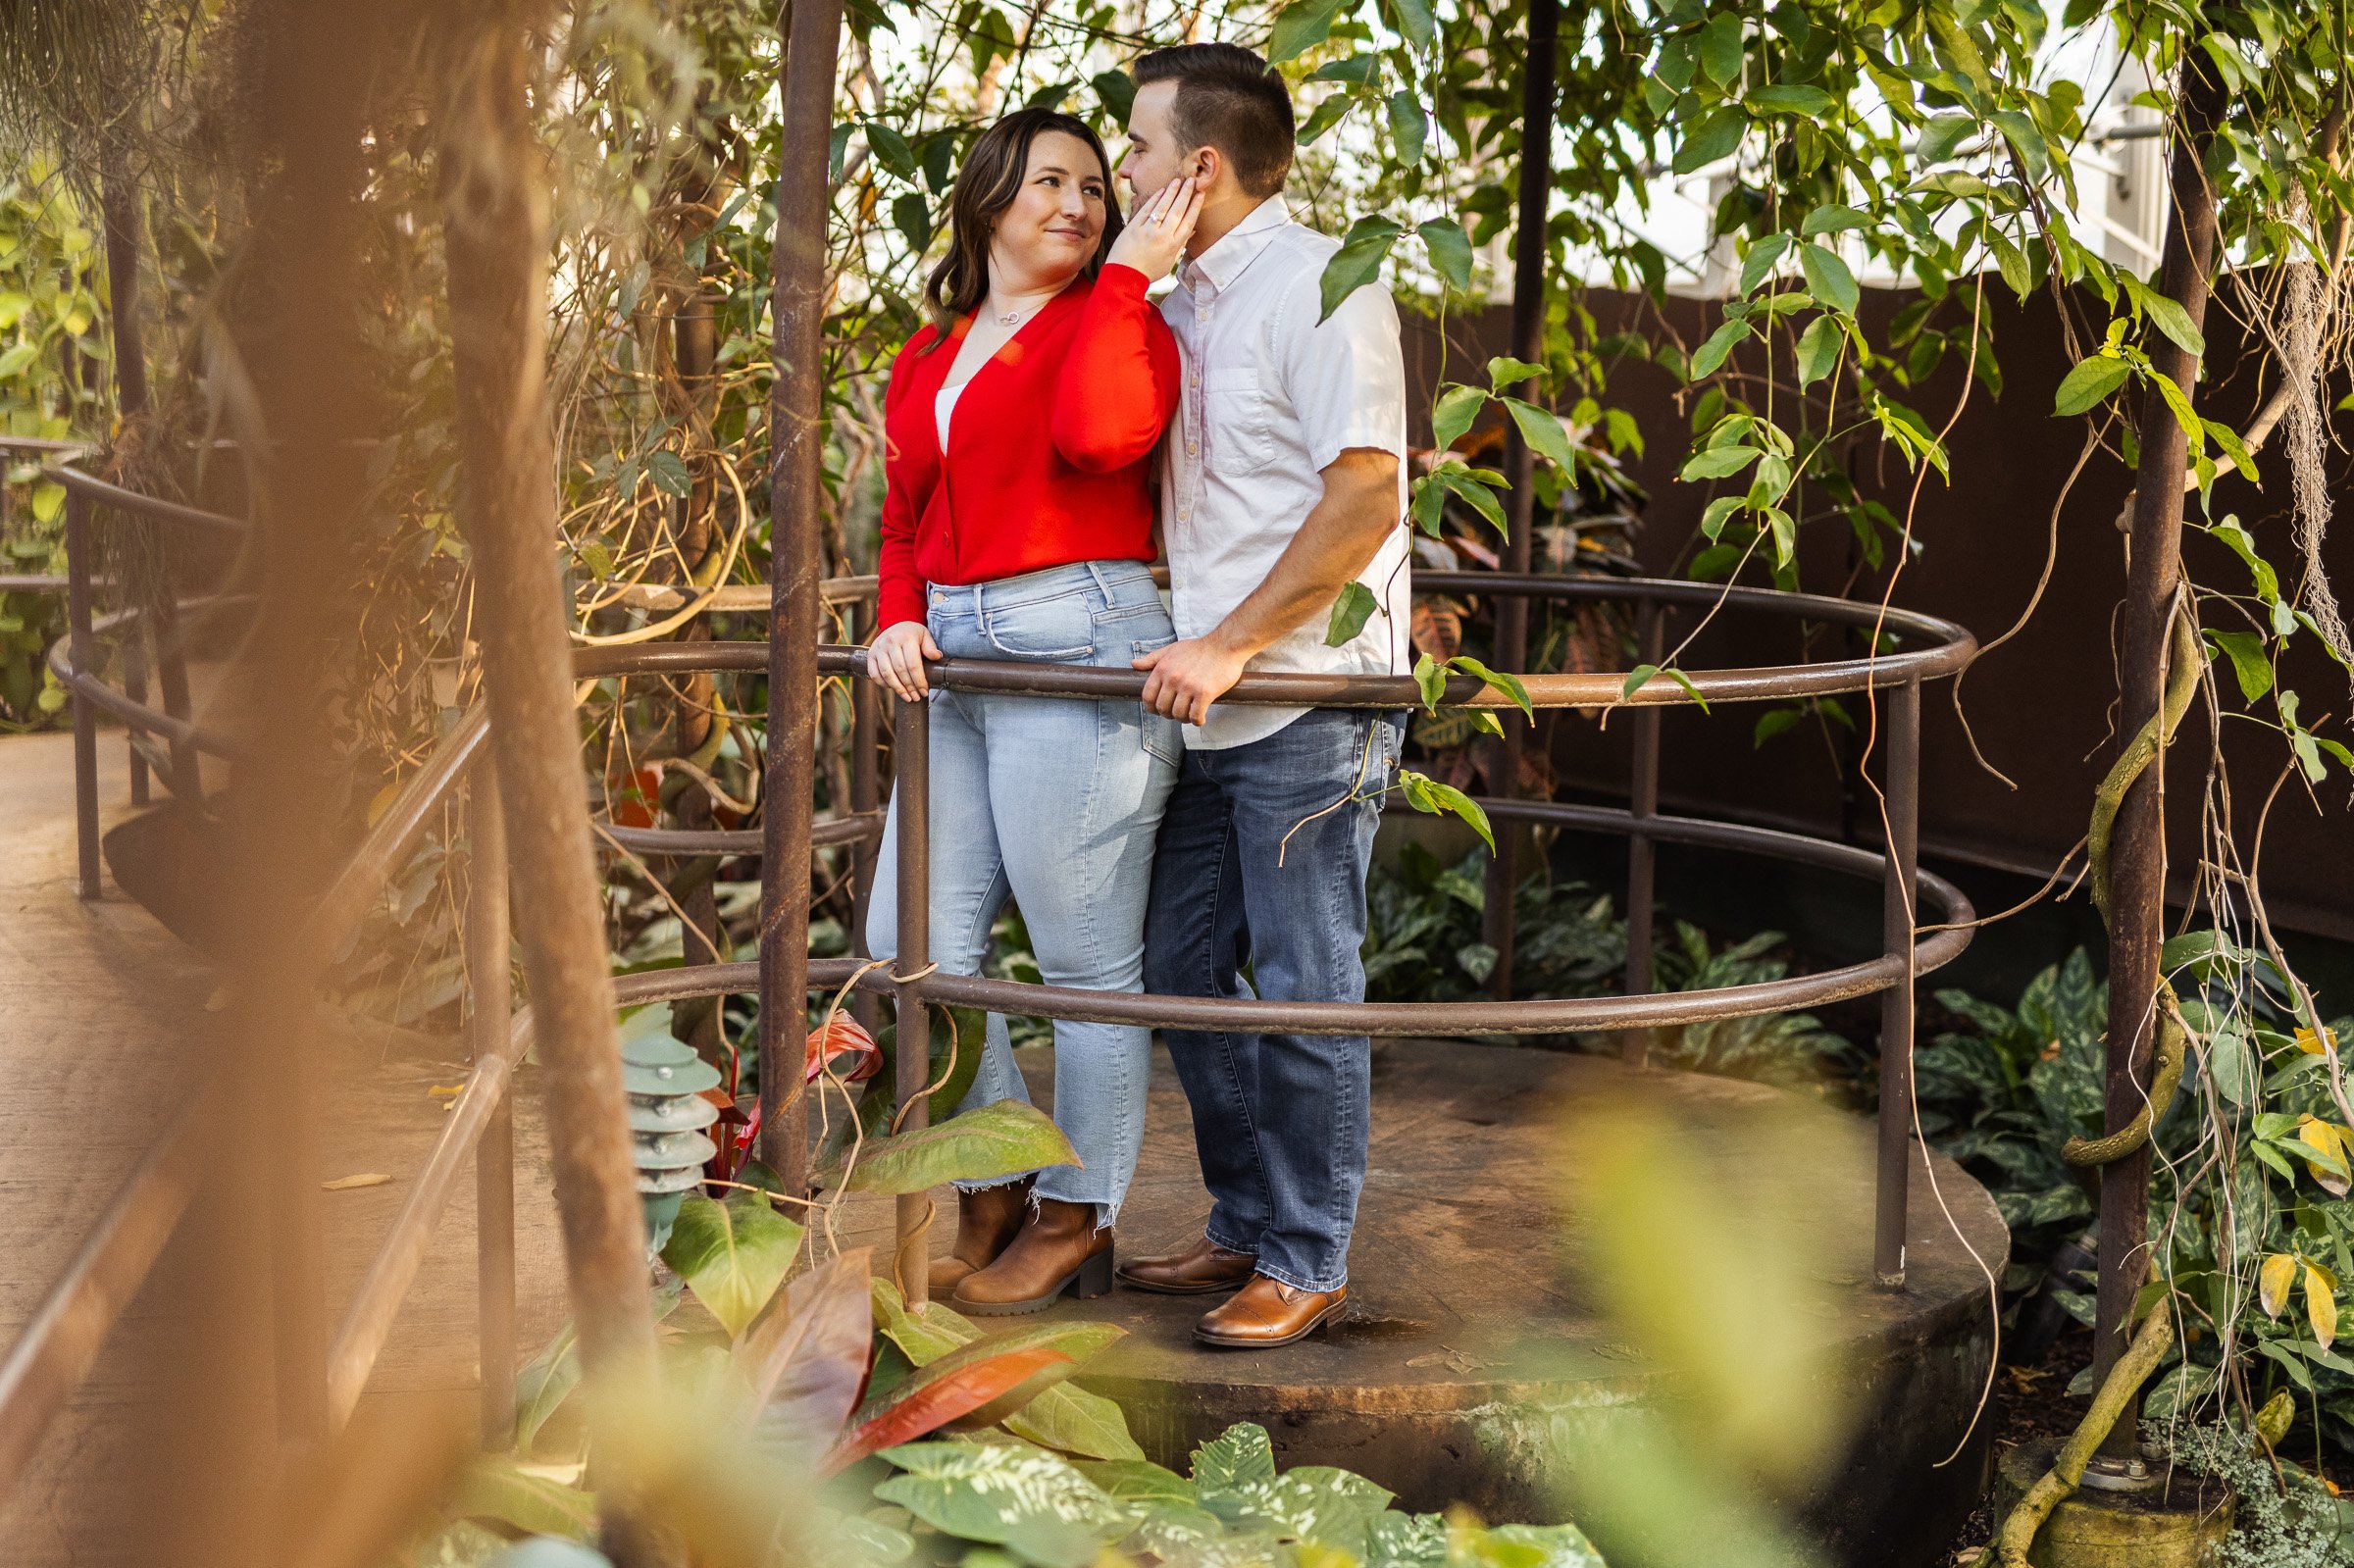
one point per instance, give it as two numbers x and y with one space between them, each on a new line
897 655
1155 235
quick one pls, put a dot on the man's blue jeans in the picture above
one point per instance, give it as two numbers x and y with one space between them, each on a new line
1262 859
1054 803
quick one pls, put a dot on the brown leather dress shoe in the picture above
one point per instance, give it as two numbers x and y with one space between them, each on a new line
987 1222
1199 1270
1268 1313
1059 1249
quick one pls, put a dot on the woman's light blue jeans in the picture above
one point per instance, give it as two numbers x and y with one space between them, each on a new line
1058 804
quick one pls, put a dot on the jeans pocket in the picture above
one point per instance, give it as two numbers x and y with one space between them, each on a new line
1164 737
1060 628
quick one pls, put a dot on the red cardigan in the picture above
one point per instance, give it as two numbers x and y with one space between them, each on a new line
1013 494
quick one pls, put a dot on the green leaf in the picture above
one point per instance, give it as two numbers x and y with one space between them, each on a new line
1238 1456
999 1492
1425 793
1819 350
1772 722
1478 495
1505 370
1543 432
533 1505
911 216
1718 462
1831 219
2243 544
1711 353
1358 259
1115 90
732 1255
1431 677
1004 1138
1303 25
890 149
1940 136
2091 380
1310 1503
2174 321
2245 650
1450 250
1720 48
1641 676
1408 126
1414 22
545 1381
2027 141
1451 415
1759 263
1139 1481
1357 71
1349 612
1829 280
1509 685
1787 100
1713 138
1328 114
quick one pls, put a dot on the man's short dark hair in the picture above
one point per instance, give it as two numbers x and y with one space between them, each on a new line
1229 99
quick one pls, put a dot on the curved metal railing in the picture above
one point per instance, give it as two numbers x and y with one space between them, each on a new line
57 1350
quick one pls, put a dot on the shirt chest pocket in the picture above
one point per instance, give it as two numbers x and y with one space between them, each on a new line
1235 423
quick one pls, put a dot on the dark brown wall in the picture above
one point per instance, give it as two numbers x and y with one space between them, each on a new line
2038 705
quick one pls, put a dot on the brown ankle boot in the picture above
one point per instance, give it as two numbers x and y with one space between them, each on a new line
1059 1249
987 1222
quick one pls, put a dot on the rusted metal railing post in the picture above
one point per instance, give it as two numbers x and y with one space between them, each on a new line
1643 803
913 734
865 795
1902 716
491 994
797 419
82 650
134 686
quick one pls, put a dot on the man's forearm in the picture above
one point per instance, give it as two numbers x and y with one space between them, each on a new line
1336 541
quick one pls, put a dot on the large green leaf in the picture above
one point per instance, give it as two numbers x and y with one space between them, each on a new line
1827 279
732 1255
1139 1481
1000 1492
533 1504
545 1381
1358 259
1310 1502
1713 138
1004 1138
2092 380
1350 613
1453 413
1450 251
1235 1457
1303 25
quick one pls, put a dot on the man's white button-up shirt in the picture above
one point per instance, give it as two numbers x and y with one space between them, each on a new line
1271 397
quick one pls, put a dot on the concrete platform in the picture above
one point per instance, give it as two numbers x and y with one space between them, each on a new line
1471 1346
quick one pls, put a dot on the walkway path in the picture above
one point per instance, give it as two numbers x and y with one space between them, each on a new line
100 1013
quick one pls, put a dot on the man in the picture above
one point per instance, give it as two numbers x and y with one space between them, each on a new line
1284 481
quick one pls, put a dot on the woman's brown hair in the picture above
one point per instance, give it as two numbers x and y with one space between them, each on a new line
991 177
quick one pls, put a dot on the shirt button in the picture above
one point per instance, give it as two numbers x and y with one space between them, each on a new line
1190 449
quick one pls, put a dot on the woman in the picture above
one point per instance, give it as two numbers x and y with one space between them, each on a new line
1018 523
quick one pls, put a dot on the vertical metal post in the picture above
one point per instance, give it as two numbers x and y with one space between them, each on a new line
489 993
172 675
796 424
865 794
134 686
82 657
1903 775
913 732
1529 244
1643 803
